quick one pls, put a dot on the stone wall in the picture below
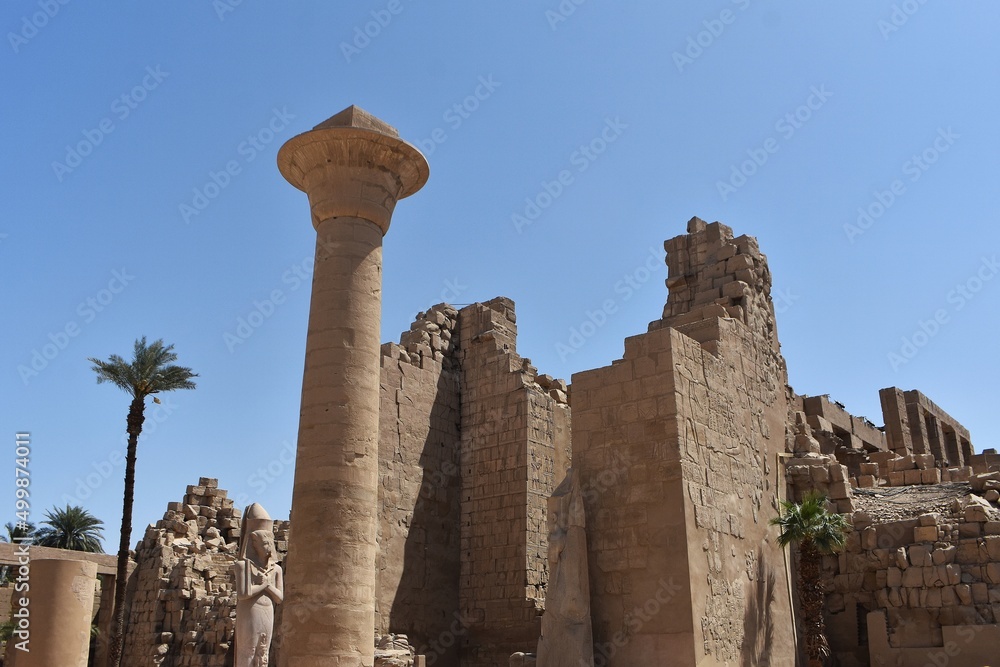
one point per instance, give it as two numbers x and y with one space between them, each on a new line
677 446
914 575
514 430
419 492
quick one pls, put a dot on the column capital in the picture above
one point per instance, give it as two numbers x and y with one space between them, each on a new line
353 165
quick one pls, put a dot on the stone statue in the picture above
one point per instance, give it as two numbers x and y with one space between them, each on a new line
259 586
567 633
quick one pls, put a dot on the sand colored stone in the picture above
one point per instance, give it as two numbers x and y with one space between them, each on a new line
683 448
354 169
61 604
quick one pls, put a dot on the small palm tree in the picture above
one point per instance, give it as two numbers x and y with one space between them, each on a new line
72 528
19 532
151 371
817 532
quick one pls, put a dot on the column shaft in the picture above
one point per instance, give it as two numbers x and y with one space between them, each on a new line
331 574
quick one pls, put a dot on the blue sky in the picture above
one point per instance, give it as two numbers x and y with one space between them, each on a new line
857 140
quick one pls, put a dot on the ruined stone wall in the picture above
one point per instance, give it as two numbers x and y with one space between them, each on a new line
182 609
419 491
677 445
853 432
916 425
513 432
919 570
916 583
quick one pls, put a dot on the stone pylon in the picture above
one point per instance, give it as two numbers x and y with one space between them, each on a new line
354 167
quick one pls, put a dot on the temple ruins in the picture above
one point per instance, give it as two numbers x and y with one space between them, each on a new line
433 471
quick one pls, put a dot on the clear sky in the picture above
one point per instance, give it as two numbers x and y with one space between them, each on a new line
858 141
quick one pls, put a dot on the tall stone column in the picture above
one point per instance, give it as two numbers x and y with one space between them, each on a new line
354 167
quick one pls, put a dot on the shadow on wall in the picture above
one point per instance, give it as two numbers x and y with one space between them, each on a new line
758 622
426 603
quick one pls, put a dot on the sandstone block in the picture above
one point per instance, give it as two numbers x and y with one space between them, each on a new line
978 482
839 490
819 474
924 534
928 519
920 555
944 555
866 481
895 599
869 539
968 530
903 463
911 477
913 577
930 476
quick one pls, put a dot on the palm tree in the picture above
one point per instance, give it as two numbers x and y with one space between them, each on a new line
19 532
72 528
817 532
151 371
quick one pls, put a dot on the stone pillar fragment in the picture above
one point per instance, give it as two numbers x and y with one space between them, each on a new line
354 168
60 607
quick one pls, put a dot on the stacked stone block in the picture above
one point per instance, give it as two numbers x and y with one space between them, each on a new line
182 611
677 445
515 428
916 425
922 575
419 485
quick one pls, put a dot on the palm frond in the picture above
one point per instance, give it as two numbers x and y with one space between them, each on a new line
150 371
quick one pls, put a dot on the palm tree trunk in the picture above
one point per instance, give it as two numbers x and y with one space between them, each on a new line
811 598
136 417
